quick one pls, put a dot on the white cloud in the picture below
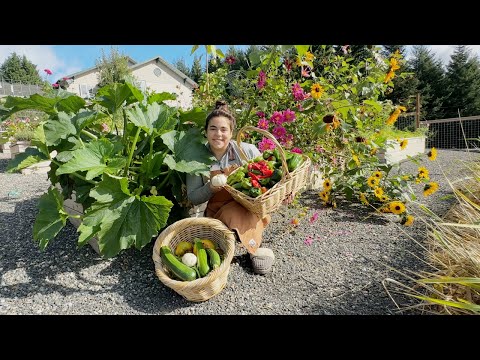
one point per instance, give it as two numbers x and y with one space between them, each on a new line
43 56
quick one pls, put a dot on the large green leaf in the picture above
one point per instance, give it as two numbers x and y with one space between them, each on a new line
154 116
301 49
195 115
86 117
56 130
151 168
161 97
112 96
126 220
51 217
190 155
94 159
29 157
64 101
39 140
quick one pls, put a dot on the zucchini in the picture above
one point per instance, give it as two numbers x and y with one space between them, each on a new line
178 268
202 263
213 258
294 162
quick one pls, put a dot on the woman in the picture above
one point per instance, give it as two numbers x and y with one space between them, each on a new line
219 127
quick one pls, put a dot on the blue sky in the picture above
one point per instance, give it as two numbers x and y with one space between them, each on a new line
64 60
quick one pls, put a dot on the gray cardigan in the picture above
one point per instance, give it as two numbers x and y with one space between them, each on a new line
198 187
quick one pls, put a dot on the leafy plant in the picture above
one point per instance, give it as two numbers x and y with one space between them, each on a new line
130 184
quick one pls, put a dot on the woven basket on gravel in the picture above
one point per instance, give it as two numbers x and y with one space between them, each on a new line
272 199
187 229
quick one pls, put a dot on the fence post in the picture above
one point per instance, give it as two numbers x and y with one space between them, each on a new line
417 112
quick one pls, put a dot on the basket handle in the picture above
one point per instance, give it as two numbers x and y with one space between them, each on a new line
268 135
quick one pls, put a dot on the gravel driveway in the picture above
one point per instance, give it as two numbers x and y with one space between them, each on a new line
339 273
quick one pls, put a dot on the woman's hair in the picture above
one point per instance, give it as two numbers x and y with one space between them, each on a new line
221 109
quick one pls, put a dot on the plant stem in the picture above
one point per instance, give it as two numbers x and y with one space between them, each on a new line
89 134
127 165
164 180
125 129
77 175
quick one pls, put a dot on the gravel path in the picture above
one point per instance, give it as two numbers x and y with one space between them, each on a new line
339 273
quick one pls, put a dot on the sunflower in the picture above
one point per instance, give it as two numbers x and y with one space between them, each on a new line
407 220
397 207
378 174
316 91
373 181
406 177
430 188
384 198
363 199
432 154
327 185
355 158
309 56
423 173
324 196
378 192
403 144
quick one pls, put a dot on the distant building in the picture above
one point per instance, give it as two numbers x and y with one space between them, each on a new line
156 74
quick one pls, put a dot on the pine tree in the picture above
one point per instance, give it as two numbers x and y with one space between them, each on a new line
196 70
16 69
463 84
180 65
431 82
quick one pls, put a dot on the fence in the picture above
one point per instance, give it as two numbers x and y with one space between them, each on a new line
18 89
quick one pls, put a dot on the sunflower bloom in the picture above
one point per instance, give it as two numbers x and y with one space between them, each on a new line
430 188
378 192
390 75
403 144
316 90
324 196
423 173
377 174
406 177
397 207
309 56
394 64
408 220
327 185
373 181
384 198
363 199
432 154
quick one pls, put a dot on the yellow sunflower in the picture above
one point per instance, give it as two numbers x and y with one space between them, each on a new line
316 90
309 56
378 192
324 196
403 144
423 173
378 174
327 185
373 181
363 199
407 220
430 188
383 198
355 158
397 207
432 154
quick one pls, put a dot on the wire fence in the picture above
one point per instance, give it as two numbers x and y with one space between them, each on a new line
18 89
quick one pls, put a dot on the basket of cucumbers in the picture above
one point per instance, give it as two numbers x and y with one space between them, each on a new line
192 256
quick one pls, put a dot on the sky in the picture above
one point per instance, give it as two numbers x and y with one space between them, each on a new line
64 60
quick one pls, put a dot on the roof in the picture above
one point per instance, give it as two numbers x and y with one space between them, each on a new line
134 65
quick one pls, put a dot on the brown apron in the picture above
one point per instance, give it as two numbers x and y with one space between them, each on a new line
248 226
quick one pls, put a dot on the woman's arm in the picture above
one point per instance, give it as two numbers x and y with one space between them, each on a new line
197 192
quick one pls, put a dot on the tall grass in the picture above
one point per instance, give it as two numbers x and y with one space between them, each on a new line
452 283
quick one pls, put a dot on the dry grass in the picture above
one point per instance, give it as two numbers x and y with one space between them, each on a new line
452 286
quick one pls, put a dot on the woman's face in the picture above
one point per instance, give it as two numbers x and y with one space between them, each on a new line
219 133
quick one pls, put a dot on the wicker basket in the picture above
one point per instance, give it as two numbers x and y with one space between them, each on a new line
186 230
272 199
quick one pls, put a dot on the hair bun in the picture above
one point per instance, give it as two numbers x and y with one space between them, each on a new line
221 104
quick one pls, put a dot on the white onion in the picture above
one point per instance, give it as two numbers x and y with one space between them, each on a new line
219 180
189 259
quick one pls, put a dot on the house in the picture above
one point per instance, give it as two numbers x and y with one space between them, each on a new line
155 74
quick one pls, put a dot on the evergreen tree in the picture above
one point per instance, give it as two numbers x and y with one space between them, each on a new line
431 82
361 52
16 69
196 70
112 68
463 84
180 65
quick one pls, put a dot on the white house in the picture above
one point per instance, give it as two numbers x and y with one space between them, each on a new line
155 74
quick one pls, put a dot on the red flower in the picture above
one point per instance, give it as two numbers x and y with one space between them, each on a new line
48 71
230 60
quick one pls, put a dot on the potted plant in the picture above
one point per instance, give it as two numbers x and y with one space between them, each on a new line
130 182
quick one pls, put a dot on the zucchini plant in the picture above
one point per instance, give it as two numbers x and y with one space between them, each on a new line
130 182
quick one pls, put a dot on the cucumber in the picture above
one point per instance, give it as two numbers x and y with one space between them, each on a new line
202 263
213 258
178 268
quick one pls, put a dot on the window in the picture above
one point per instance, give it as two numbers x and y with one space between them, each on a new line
86 91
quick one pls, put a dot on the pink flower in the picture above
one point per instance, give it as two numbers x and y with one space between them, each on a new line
297 150
262 124
305 71
55 85
279 132
48 71
277 118
262 79
314 217
230 60
298 93
266 144
289 115
308 240
260 114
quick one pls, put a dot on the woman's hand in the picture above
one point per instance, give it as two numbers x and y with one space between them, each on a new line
215 189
